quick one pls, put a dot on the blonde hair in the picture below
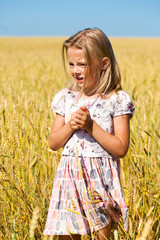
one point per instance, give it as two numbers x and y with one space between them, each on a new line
96 45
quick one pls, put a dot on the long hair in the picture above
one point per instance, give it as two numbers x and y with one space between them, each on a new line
96 45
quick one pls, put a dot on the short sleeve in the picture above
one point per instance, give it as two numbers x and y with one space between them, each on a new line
58 103
122 104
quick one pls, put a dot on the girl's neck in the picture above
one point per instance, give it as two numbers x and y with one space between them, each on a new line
87 93
89 96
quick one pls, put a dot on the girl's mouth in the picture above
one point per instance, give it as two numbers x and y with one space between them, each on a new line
79 79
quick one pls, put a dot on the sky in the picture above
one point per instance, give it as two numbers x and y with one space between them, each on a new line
117 18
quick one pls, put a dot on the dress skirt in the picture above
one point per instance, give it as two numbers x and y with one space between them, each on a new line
86 196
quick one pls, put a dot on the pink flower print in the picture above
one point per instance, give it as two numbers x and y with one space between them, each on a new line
72 149
82 144
130 106
88 105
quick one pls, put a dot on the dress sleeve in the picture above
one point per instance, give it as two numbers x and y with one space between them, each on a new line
122 104
58 103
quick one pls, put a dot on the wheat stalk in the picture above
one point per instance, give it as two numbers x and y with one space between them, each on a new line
146 230
33 224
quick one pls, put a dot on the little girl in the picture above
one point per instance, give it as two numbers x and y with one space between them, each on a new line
92 124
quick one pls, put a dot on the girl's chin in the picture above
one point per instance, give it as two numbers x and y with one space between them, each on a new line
80 83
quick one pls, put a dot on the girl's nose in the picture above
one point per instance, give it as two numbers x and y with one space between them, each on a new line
76 69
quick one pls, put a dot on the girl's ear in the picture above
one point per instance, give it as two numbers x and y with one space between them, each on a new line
105 63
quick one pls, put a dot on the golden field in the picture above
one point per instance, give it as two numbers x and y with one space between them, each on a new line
31 73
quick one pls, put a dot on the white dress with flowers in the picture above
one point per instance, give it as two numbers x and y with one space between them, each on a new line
86 193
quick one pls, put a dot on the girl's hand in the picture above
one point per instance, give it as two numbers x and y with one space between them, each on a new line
83 119
72 122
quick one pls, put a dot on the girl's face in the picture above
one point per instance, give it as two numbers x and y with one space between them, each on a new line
79 69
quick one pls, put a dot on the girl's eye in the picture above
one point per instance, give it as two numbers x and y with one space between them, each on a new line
83 64
79 64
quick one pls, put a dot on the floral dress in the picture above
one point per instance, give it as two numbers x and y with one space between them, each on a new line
86 193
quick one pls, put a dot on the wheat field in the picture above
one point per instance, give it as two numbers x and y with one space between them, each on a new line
31 73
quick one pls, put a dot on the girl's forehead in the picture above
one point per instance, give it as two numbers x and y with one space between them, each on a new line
74 50
75 53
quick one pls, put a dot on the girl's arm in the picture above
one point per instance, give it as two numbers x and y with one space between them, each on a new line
61 132
115 144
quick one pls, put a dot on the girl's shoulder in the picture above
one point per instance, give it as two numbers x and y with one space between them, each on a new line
64 92
121 95
62 97
121 103
58 102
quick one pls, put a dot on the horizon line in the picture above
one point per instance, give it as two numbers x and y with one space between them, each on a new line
64 36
